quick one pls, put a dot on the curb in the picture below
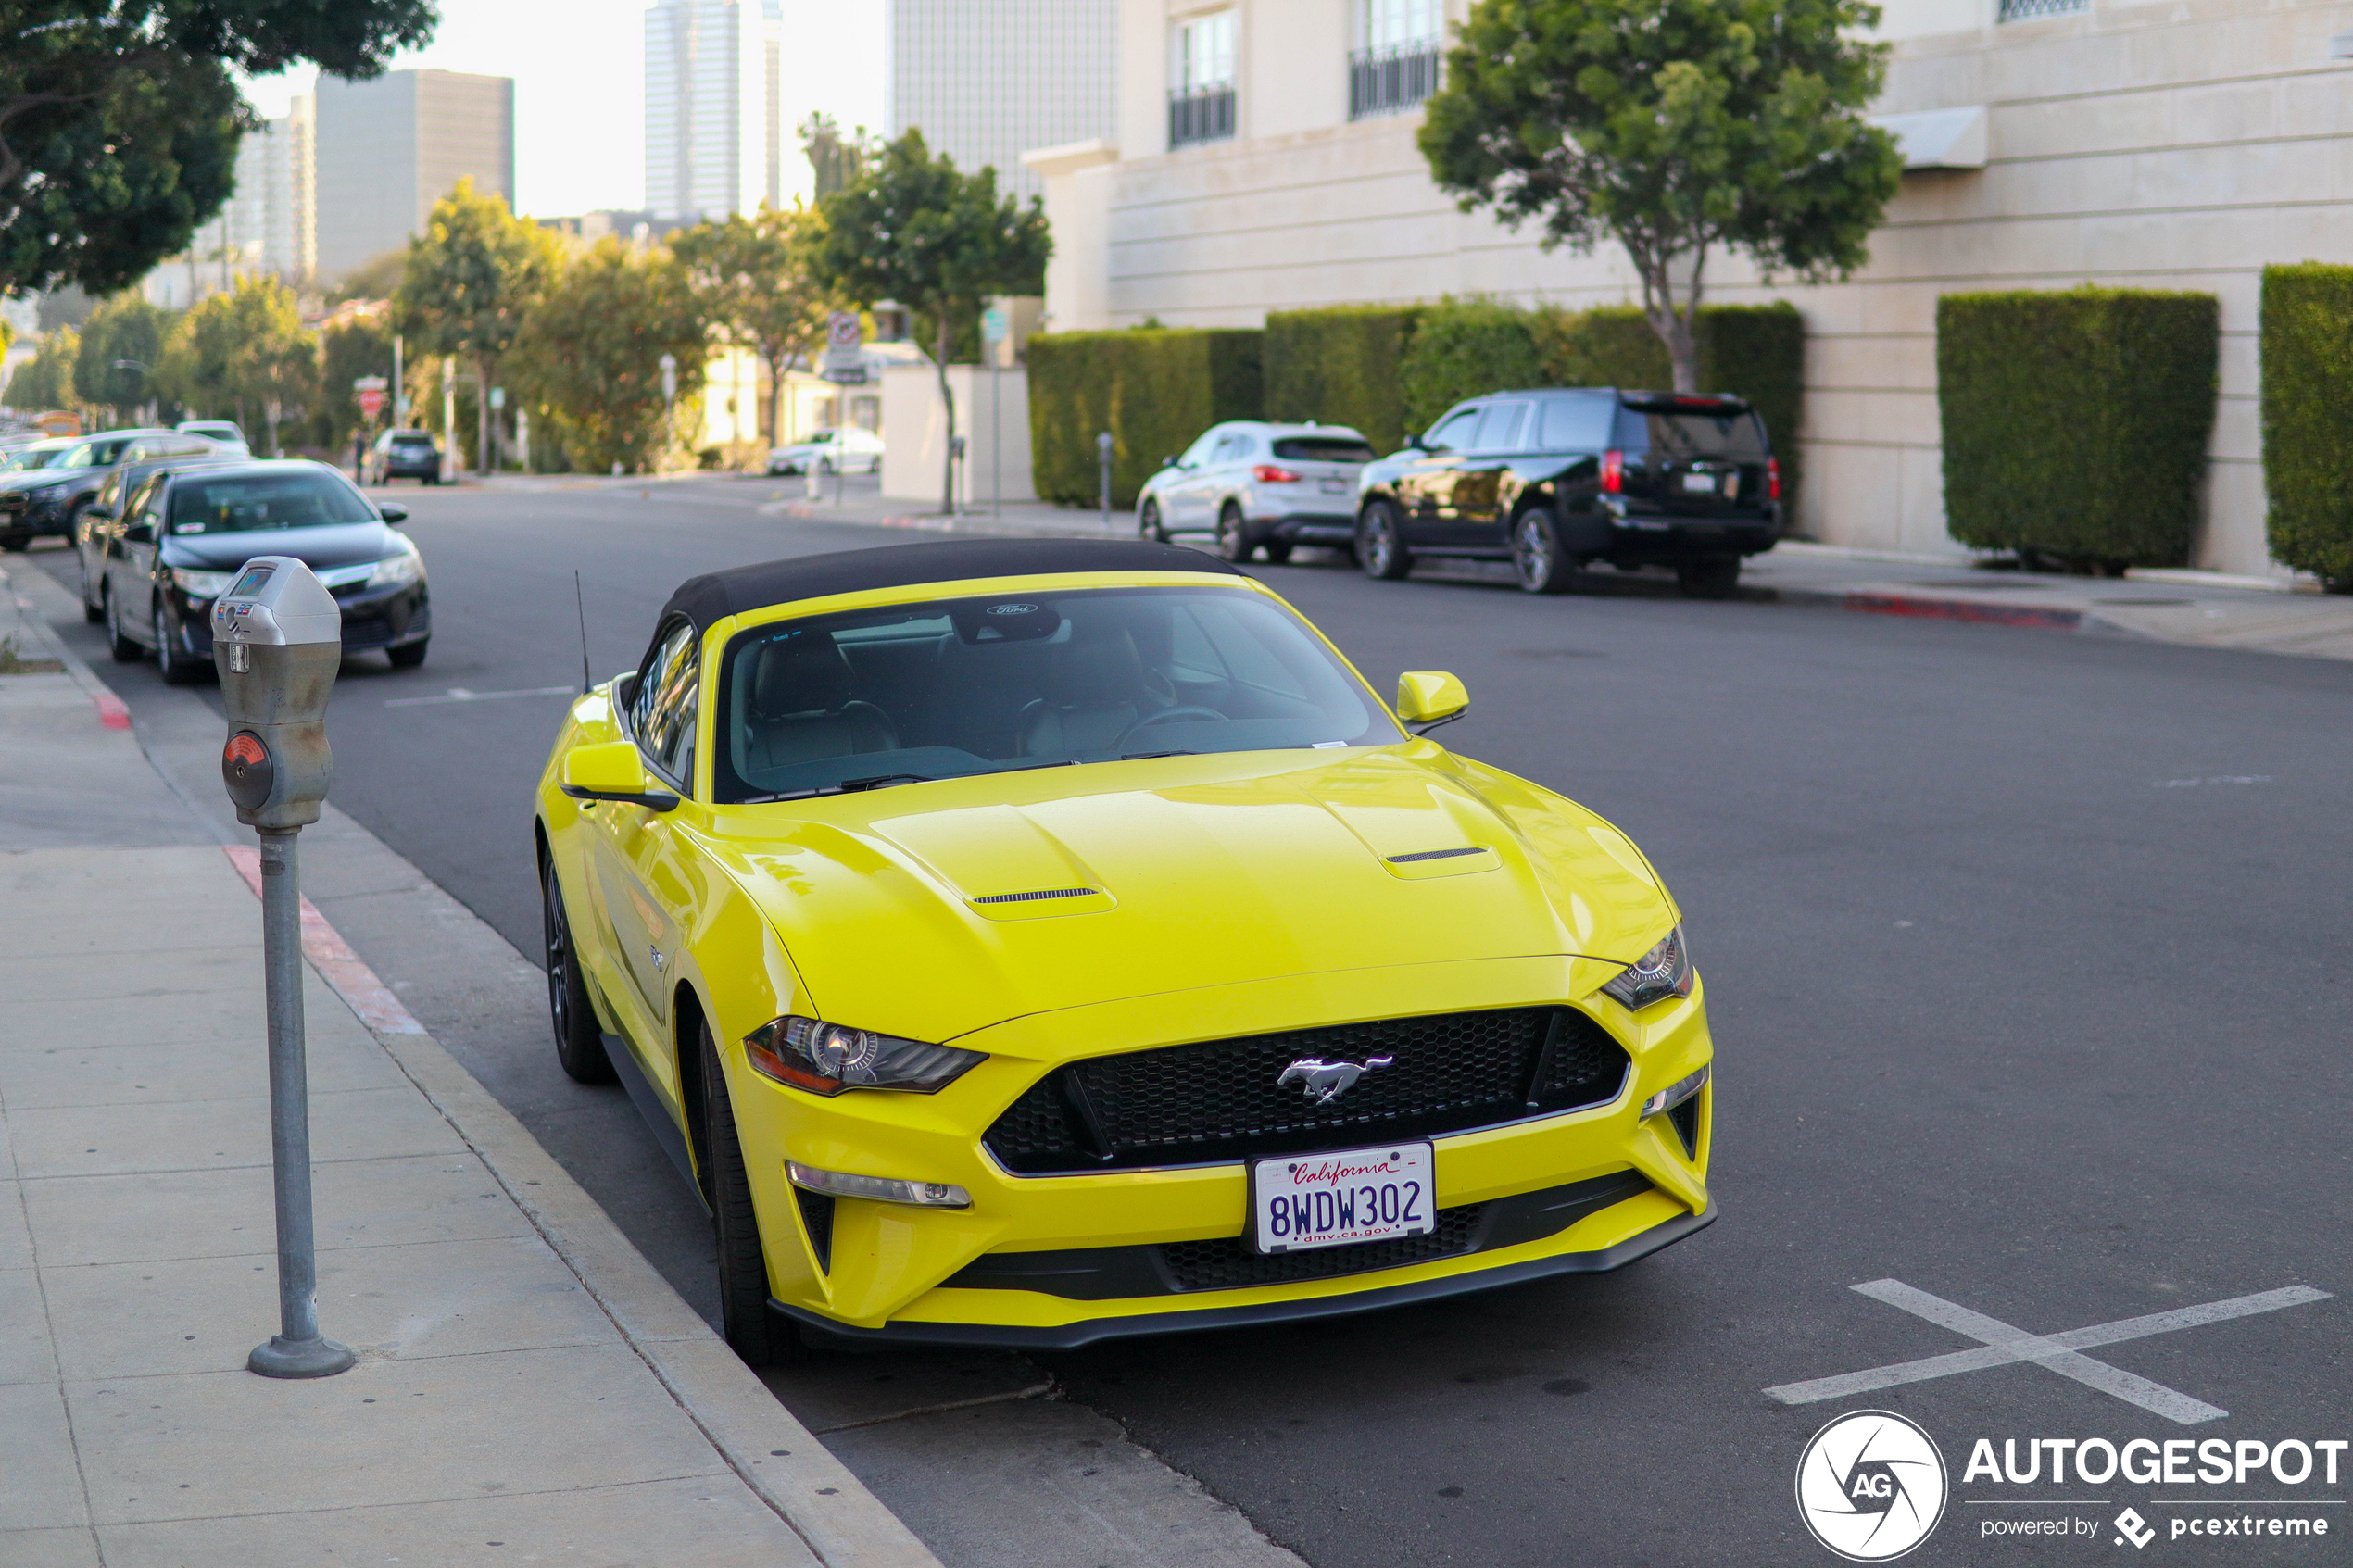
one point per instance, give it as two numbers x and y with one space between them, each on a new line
842 1523
1931 606
112 712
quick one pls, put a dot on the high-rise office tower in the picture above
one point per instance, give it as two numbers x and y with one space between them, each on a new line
389 148
986 81
714 122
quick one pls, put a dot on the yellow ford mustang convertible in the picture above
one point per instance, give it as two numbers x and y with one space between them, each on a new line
1033 942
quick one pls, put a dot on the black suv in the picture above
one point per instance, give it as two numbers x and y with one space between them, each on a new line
1552 480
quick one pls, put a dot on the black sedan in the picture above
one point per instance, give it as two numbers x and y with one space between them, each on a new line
184 534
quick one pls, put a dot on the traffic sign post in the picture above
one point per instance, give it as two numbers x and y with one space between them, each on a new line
371 401
844 350
993 327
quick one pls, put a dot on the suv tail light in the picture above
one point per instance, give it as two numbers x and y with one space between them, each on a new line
1772 479
1267 473
1613 472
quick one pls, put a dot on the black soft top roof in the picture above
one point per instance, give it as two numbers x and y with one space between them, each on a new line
717 594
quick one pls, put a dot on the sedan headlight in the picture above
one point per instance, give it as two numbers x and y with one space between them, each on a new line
397 571
826 1058
1663 972
202 584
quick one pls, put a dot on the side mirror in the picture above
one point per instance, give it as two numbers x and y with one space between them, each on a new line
392 512
1428 698
613 772
139 533
1168 462
1414 442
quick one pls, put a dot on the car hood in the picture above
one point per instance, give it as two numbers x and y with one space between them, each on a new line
330 544
33 479
920 910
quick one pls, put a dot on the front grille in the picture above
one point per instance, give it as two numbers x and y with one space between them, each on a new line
1222 1099
1227 1263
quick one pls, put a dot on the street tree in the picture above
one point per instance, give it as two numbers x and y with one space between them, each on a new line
119 119
470 280
120 343
1677 126
354 348
915 228
45 381
240 352
589 359
758 288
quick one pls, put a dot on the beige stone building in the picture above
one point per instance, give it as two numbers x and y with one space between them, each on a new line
1265 161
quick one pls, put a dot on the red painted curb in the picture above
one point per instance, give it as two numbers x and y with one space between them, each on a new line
111 712
333 958
1966 610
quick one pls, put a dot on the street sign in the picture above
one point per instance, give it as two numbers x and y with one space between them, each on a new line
993 324
845 348
498 397
371 395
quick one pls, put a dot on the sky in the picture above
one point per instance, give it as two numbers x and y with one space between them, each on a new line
579 70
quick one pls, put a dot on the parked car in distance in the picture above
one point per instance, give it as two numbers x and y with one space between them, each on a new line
44 500
221 432
404 453
1554 480
184 533
837 449
97 523
1259 487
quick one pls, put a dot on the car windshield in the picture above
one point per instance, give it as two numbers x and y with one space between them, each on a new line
249 503
951 687
1325 448
35 458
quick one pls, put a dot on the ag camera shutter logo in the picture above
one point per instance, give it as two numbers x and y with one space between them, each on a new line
1871 1485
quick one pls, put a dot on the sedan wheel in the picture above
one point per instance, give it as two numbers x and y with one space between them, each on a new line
1537 558
119 643
1147 524
176 668
92 611
580 1046
1378 549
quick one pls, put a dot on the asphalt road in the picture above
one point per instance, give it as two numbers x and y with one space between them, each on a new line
2025 959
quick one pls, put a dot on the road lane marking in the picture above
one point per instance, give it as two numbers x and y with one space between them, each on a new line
2003 1345
460 693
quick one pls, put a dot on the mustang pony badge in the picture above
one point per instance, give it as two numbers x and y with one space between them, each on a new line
1325 1082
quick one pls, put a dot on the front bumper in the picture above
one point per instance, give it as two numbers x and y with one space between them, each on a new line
1053 1260
386 618
35 518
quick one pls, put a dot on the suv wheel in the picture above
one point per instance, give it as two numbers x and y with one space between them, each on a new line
1379 549
1233 542
1147 524
1709 577
1538 560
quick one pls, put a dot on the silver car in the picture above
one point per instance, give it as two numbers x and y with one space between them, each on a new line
845 449
1259 487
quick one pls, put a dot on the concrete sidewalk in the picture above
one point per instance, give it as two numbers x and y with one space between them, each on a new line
529 1388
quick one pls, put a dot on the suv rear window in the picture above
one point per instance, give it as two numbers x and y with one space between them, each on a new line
1693 434
1325 448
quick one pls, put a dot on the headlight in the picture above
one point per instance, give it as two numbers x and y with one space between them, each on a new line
881 1189
395 572
826 1058
1663 972
203 584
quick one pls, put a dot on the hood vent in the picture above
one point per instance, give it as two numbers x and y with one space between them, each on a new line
1435 854
1038 894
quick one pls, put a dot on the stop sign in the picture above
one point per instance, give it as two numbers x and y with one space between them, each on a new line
371 401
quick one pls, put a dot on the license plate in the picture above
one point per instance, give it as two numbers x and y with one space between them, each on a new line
1700 483
1333 486
1303 1201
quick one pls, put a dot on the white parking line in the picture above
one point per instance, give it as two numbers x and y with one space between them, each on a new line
2005 1345
460 693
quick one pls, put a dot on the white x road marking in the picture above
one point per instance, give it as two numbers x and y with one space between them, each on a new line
2060 1352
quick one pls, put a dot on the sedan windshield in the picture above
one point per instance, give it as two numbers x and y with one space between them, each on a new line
951 688
249 503
35 458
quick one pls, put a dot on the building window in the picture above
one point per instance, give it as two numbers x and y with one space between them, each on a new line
1396 66
1201 88
2018 10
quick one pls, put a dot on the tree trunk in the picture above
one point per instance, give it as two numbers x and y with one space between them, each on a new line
1671 321
482 413
948 399
270 418
776 360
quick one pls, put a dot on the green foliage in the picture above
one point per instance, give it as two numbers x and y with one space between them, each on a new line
1341 366
2076 423
1463 347
471 281
2307 418
121 345
1676 127
1154 391
119 119
235 355
362 346
756 287
589 359
45 381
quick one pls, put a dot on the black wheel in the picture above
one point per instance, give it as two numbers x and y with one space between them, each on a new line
171 662
119 643
92 610
1709 577
1234 541
1379 548
757 1334
1148 523
1277 550
410 656
580 1047
15 543
1538 560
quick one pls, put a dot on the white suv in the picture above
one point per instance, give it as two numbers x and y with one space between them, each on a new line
1259 487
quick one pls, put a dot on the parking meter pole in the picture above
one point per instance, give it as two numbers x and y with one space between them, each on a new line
277 639
1102 456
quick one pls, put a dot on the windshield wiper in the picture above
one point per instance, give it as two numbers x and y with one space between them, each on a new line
846 786
1147 756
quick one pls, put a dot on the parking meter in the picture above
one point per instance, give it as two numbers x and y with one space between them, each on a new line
277 640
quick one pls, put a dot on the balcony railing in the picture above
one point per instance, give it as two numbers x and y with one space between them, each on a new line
2018 10
1205 114
1385 81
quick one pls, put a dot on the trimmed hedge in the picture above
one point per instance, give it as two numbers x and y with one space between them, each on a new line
2076 423
2307 418
1464 347
1344 365
1155 389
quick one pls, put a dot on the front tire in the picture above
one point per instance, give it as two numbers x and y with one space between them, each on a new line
757 1334
1147 524
1709 577
580 1046
92 611
1538 560
1380 546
